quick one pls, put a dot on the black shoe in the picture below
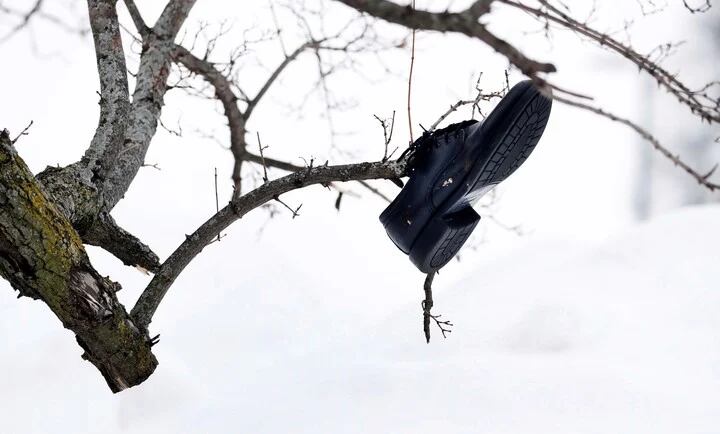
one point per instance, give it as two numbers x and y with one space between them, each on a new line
451 168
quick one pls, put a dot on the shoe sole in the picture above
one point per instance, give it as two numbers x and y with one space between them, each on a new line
451 224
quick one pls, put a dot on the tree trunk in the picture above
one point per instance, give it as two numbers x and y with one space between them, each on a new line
42 256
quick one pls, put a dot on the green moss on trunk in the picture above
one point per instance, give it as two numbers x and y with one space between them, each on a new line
42 256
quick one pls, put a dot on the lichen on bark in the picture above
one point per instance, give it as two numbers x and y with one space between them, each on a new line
42 256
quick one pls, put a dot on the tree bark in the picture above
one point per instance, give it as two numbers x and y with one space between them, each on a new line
42 256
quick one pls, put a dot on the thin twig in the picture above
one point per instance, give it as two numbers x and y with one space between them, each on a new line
262 157
22 133
295 212
217 200
177 133
278 31
283 165
387 136
427 305
480 96
275 74
25 19
700 9
700 103
702 179
410 76
338 200
375 191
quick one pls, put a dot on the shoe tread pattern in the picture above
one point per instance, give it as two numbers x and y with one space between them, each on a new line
516 147
518 143
450 246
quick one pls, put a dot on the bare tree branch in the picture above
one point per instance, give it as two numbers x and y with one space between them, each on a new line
699 102
106 233
237 118
275 74
704 6
22 133
62 208
77 188
172 18
147 102
409 81
151 297
228 99
465 22
480 8
480 96
114 93
137 18
427 305
289 167
24 20
702 179
36 11
387 134
42 257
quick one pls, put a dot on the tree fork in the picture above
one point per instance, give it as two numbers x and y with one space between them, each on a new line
43 257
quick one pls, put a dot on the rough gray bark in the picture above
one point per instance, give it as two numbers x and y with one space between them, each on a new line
106 233
78 189
44 221
147 101
114 93
150 299
42 257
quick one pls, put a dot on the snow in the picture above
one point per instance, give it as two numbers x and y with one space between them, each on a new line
315 324
552 336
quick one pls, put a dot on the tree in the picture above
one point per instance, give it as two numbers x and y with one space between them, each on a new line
46 219
660 187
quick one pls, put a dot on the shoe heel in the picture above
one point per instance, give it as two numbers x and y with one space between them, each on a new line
442 238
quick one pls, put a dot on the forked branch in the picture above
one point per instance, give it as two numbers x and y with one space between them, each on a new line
698 101
465 22
193 244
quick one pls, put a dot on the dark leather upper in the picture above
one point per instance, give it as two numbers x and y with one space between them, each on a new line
410 211
443 167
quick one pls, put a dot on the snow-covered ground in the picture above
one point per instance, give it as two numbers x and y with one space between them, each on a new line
621 336
314 326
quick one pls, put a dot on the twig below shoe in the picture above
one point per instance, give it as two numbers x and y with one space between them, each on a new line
427 305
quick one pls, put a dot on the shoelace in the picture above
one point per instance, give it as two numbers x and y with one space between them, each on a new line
420 148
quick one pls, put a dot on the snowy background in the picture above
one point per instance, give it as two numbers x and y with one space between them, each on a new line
601 318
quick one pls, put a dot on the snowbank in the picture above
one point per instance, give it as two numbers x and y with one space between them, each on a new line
555 337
